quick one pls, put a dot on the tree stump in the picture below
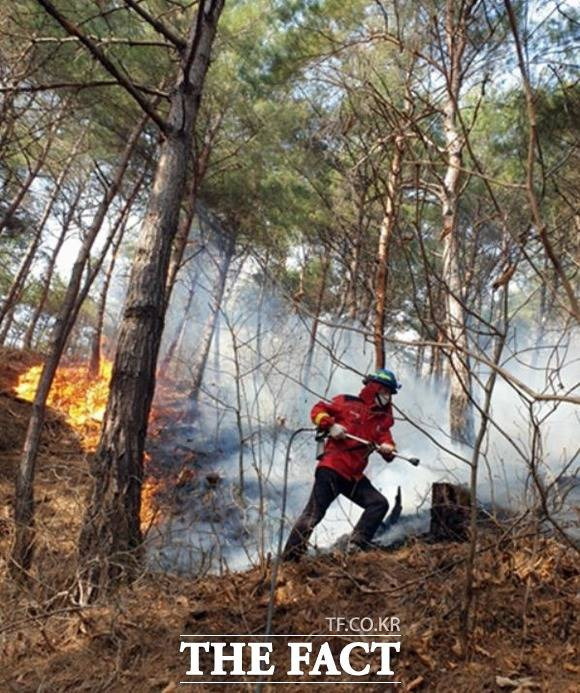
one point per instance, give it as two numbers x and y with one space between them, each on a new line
449 512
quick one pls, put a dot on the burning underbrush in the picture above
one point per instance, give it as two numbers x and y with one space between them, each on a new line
82 398
526 584
179 479
61 477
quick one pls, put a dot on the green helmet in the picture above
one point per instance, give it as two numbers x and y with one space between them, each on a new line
385 378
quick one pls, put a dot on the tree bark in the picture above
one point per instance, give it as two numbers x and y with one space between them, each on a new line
316 320
353 278
177 340
460 410
181 238
450 506
119 231
111 537
22 549
180 241
210 325
7 325
28 337
387 227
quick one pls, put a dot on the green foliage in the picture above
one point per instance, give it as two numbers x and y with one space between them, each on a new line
302 105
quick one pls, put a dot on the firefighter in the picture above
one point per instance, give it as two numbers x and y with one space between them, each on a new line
343 461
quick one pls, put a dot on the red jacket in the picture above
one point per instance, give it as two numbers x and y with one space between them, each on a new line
361 417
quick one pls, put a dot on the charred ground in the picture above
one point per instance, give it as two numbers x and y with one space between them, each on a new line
525 636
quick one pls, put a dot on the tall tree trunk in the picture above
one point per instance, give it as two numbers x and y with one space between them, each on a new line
33 172
316 320
460 409
542 317
22 549
19 196
96 339
111 534
22 274
119 231
47 279
182 237
352 298
387 227
8 321
423 336
212 318
533 199
179 334
353 278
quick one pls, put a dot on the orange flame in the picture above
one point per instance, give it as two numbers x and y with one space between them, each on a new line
80 397
149 514
83 400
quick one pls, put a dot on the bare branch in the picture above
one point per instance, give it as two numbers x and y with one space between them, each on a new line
96 51
98 39
176 40
532 144
34 88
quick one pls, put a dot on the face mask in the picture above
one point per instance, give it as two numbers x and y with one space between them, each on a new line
383 398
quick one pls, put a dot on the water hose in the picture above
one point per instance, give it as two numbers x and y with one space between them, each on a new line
276 560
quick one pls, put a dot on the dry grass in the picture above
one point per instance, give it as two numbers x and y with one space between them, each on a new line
525 636
131 641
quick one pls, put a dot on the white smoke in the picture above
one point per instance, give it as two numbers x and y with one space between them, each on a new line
275 392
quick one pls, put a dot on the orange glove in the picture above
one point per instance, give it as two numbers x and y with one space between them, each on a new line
324 421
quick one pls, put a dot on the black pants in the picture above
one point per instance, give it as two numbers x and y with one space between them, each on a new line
328 485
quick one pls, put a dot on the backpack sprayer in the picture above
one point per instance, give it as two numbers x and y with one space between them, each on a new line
321 436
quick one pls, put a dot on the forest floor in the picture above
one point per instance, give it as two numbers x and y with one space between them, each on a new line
525 635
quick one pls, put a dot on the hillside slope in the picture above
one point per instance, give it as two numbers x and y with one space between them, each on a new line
132 641
525 635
